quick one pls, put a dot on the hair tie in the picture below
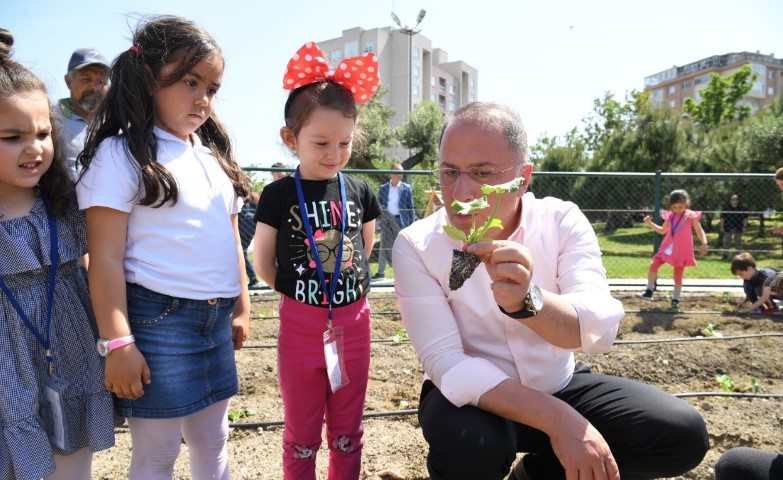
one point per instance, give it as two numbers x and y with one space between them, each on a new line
135 49
358 74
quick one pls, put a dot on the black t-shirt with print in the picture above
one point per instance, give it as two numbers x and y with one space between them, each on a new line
297 276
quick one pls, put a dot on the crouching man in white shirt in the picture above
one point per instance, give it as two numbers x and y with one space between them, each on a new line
498 352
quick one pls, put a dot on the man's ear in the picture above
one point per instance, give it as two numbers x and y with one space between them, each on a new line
68 80
527 174
288 137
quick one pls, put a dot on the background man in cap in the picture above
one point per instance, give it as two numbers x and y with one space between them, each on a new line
87 79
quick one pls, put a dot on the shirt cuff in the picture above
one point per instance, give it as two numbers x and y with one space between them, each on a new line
467 381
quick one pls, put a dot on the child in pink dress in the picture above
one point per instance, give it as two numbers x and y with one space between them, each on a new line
677 245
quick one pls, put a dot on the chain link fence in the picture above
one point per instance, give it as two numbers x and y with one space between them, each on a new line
616 203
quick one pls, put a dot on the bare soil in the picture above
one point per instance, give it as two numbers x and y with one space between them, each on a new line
395 444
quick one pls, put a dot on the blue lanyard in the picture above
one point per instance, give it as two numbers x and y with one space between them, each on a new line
311 240
676 226
43 338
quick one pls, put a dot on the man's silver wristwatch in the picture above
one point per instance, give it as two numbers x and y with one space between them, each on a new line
532 304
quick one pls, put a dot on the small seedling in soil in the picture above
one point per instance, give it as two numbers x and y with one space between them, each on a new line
463 264
400 336
725 382
235 414
754 385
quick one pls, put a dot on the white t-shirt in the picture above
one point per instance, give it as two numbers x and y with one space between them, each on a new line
185 250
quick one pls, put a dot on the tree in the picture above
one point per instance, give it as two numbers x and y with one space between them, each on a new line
555 154
375 133
763 139
421 133
720 98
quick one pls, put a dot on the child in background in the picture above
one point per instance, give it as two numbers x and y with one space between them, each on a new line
162 190
677 245
756 282
54 411
312 244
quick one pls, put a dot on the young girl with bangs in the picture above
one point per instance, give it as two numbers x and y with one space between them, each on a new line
54 411
313 239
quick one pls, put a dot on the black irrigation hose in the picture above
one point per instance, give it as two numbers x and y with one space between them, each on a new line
413 411
729 395
697 339
618 342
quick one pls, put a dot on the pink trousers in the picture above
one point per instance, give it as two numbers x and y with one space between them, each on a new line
656 263
307 396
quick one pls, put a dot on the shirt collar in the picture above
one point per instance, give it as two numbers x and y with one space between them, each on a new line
166 136
66 108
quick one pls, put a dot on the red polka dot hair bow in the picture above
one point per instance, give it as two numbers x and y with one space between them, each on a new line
358 74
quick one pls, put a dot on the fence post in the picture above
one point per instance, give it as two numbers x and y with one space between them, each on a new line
657 204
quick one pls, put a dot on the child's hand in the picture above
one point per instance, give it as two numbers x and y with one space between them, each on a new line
126 372
647 220
240 330
703 250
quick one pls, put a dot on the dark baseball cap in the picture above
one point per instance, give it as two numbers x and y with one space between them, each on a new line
83 57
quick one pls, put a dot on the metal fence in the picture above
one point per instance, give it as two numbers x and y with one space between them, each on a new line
616 203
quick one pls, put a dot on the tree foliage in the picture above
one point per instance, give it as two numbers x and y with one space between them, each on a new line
375 133
720 98
421 133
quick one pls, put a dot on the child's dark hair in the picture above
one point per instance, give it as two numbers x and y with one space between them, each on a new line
127 109
303 100
679 196
16 79
742 262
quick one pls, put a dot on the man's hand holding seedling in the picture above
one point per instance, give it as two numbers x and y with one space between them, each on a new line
510 267
463 264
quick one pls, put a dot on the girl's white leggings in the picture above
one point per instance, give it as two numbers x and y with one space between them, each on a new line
75 466
156 443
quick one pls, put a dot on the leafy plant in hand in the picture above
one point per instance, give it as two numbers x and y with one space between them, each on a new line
463 264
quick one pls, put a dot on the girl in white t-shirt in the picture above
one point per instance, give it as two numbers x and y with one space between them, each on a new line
161 191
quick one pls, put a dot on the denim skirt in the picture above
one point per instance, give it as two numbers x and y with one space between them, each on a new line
188 348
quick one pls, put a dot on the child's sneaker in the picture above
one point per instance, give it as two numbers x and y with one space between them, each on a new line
647 295
675 304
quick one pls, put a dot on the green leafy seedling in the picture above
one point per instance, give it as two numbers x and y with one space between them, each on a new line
463 264
400 336
235 414
725 382
754 385
709 330
477 233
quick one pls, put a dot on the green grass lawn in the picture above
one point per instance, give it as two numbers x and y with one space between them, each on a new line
627 253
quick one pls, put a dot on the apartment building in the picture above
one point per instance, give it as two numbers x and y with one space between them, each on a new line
672 86
411 69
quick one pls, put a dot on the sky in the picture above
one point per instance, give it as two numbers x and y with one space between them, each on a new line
547 59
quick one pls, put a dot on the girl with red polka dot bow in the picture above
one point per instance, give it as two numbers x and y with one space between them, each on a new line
314 235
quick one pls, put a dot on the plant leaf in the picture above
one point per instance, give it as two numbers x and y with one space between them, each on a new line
454 233
465 208
480 234
507 187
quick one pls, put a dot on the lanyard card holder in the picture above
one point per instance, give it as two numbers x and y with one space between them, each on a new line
53 414
335 360
669 250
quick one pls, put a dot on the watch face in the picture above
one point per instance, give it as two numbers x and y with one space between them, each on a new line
536 298
102 347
